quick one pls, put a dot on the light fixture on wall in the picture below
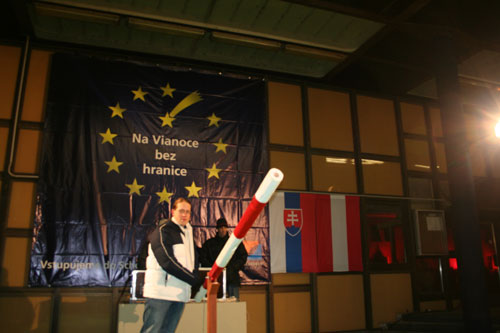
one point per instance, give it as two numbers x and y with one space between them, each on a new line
422 166
315 52
45 9
497 129
164 27
339 160
371 162
245 40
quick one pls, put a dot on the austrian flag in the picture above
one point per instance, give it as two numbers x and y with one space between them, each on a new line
314 233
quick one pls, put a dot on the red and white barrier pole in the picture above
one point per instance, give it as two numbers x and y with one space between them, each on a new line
260 199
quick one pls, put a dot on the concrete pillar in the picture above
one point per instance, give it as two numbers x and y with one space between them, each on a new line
464 219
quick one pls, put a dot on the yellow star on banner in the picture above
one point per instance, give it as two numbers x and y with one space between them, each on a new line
167 120
213 172
214 120
164 195
139 94
113 165
107 137
167 91
134 187
193 190
220 146
117 110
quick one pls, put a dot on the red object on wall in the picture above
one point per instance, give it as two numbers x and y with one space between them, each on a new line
453 263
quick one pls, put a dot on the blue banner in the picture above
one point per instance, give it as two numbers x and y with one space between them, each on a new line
121 141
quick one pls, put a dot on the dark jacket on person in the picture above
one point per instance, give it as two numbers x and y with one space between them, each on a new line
172 263
211 249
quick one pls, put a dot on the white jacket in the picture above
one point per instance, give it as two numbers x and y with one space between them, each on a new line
171 265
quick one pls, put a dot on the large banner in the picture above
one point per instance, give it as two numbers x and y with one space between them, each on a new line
121 141
315 233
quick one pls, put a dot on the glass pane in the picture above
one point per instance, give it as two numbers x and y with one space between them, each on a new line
381 177
385 238
377 126
96 307
36 83
19 313
440 157
15 257
333 174
285 114
4 133
290 313
490 258
22 195
293 166
9 65
417 155
341 303
391 293
437 129
26 160
428 276
330 119
282 279
257 309
420 187
413 118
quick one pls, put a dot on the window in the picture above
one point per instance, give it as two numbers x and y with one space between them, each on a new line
9 64
428 277
413 119
377 126
417 155
293 166
490 257
382 177
285 114
437 129
333 174
440 157
385 233
330 120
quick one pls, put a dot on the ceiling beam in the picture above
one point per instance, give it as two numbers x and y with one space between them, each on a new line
342 9
410 11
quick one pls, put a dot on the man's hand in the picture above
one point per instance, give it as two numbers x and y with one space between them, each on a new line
200 295
198 283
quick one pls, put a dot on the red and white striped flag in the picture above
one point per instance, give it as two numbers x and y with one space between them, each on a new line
315 233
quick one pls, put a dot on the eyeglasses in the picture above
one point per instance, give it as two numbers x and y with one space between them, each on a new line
184 211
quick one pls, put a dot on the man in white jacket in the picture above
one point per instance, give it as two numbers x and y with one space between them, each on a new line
171 270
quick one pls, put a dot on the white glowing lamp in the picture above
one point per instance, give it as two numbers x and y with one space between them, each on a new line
497 129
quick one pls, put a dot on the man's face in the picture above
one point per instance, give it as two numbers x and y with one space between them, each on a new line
182 213
222 231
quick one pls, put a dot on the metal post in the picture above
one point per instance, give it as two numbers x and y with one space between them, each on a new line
212 288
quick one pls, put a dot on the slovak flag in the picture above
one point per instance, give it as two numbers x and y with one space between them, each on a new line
314 233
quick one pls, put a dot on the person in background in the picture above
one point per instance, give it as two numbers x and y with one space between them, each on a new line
171 270
211 249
